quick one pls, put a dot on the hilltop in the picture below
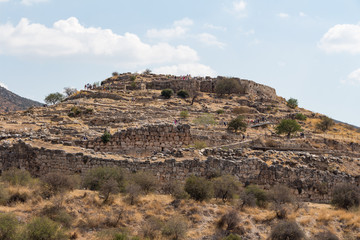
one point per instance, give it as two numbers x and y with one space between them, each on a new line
13 102
125 121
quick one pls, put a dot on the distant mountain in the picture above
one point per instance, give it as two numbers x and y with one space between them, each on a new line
9 101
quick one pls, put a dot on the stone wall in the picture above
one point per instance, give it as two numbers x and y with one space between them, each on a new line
310 184
144 139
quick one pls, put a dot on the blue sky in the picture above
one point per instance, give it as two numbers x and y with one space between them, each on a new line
309 50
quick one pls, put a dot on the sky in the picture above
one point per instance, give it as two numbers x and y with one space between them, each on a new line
308 50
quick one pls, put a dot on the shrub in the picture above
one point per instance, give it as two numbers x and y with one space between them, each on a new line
237 124
200 144
18 197
96 177
183 94
16 176
105 138
325 124
220 111
281 194
287 230
69 91
229 221
225 187
56 182
57 214
300 116
4 195
175 188
232 237
228 86
175 228
147 71
44 229
146 181
292 103
54 98
133 78
259 194
327 235
151 228
247 199
133 190
167 93
240 110
110 186
114 74
74 112
346 196
205 119
198 188
288 126
184 114
8 226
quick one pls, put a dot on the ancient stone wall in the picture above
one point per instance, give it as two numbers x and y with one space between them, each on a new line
310 184
144 139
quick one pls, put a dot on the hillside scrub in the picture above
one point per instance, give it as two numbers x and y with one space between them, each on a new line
292 103
228 86
198 188
288 126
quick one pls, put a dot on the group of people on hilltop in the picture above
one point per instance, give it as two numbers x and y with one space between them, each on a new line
89 86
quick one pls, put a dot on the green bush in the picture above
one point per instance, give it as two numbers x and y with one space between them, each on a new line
17 176
228 86
300 116
225 187
346 196
44 229
287 230
146 181
198 188
183 94
54 98
205 119
237 124
133 78
259 194
74 112
288 126
57 214
200 144
96 177
167 93
220 111
175 188
8 226
325 124
292 103
56 182
105 138
175 228
184 114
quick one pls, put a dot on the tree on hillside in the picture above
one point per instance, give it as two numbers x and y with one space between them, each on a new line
325 124
69 91
288 126
228 86
54 98
237 124
292 103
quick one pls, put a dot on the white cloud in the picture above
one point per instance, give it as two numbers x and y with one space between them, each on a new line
68 38
283 15
31 2
341 38
209 40
178 29
301 14
239 6
211 26
3 85
195 69
353 78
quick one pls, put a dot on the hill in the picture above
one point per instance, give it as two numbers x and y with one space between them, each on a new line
126 122
10 101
